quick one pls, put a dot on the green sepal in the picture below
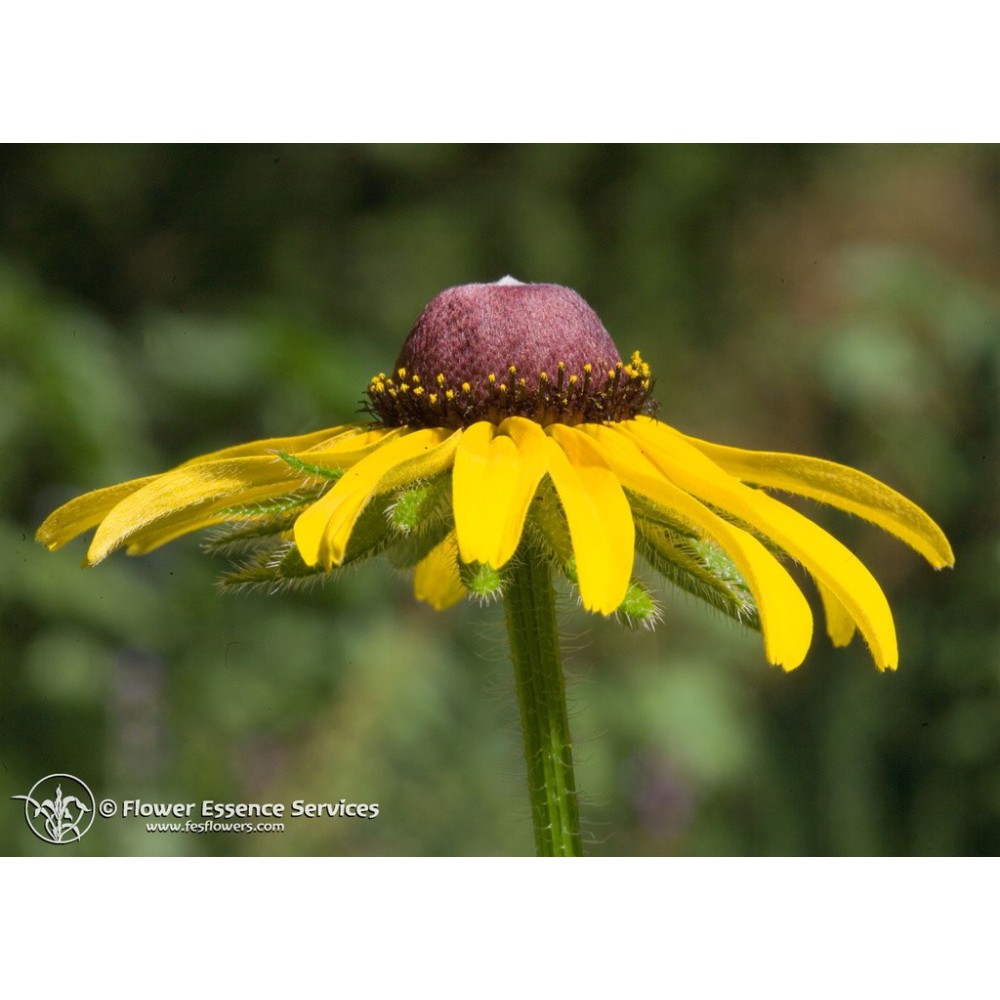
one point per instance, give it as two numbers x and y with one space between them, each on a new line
369 537
275 563
484 583
696 565
321 471
406 552
255 525
272 508
639 608
548 522
420 517
425 501
271 571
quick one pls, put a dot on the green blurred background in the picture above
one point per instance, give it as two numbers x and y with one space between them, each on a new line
160 302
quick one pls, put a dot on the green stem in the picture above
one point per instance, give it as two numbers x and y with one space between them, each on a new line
541 692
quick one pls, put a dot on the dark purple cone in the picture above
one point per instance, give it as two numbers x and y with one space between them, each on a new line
487 352
470 332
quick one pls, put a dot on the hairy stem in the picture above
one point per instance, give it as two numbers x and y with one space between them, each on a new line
541 693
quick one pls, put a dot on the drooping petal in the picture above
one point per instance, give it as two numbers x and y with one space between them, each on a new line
837 485
148 512
598 515
187 499
323 531
436 580
208 514
826 559
785 619
494 482
85 512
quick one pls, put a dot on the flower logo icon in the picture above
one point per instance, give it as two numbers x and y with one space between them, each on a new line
59 817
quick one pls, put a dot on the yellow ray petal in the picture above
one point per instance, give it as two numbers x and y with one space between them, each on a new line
826 559
206 515
189 498
270 446
598 515
839 623
837 485
785 619
436 580
346 449
83 513
323 531
494 482
472 464
340 448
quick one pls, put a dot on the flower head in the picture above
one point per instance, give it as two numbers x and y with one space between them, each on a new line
510 413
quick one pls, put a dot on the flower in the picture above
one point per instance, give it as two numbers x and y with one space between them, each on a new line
510 414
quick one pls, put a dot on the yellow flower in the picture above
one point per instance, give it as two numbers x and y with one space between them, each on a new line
510 414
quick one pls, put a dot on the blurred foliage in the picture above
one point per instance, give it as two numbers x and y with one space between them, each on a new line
158 302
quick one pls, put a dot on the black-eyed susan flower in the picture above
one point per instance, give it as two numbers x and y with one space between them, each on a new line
509 414
510 440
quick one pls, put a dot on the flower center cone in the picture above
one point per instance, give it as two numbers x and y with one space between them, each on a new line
489 351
